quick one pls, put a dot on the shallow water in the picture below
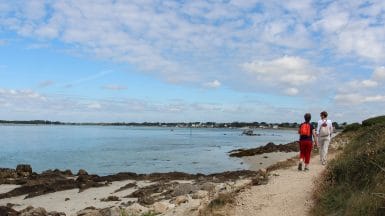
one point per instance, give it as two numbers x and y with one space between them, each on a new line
110 149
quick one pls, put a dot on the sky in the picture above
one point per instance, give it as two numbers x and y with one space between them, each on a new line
187 61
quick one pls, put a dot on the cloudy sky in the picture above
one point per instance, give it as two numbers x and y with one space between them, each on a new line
181 61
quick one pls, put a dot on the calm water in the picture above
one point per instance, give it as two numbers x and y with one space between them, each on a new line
107 150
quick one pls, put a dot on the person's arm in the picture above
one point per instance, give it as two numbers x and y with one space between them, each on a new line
318 127
331 127
315 137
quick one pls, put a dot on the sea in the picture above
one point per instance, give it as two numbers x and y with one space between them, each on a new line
105 150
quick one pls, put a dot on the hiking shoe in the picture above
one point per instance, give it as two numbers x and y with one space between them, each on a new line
306 169
300 167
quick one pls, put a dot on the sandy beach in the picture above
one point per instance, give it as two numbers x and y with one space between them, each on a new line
194 193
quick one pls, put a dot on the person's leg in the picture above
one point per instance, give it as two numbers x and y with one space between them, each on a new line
309 147
301 154
321 149
325 150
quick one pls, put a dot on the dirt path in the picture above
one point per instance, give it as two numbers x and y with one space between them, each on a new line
287 193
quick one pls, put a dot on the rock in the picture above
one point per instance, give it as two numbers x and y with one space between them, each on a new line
160 207
24 170
89 212
82 172
146 200
184 188
7 173
208 186
180 199
54 213
113 211
34 212
7 211
200 194
263 172
110 198
136 209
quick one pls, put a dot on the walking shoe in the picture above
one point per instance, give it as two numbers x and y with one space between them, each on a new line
306 169
300 167
323 162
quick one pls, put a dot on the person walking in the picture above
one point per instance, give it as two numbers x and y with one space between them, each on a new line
306 134
324 133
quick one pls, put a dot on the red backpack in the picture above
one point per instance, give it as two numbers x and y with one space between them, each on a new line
304 129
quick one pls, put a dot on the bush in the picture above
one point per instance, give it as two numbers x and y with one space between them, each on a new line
352 127
354 183
373 121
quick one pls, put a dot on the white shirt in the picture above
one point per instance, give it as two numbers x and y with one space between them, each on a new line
328 122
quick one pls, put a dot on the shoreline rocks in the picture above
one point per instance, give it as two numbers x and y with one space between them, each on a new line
268 148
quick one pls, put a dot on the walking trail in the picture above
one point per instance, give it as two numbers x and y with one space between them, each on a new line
288 192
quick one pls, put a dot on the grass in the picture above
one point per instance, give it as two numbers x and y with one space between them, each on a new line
219 205
354 183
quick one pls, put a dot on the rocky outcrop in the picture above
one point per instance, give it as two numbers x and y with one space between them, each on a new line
268 148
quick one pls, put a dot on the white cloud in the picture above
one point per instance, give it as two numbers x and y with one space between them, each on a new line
354 28
357 85
379 74
291 91
212 84
194 41
287 73
20 94
94 105
356 98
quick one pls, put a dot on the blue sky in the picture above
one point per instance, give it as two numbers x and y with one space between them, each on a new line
182 61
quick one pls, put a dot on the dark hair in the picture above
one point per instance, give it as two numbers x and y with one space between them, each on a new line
324 114
307 117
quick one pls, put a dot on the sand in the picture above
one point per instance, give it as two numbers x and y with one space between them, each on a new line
265 160
288 192
77 201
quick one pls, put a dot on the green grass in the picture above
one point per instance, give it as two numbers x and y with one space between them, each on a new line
354 183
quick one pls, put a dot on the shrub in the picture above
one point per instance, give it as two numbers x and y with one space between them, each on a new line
375 120
354 183
352 127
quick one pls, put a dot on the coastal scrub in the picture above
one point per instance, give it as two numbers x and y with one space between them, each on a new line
354 183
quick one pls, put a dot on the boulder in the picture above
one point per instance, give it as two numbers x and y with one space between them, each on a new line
55 213
200 194
113 211
180 199
136 209
24 170
82 172
161 207
7 173
89 212
184 188
208 186
34 212
8 211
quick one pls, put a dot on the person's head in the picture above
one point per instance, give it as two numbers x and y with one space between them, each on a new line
307 117
324 114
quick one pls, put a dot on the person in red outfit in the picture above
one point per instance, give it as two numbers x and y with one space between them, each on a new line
307 136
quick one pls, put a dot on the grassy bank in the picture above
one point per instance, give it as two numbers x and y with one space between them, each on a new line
354 182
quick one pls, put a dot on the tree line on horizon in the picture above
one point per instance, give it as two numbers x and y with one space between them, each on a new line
174 124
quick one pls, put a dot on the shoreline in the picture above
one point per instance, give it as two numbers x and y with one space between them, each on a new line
173 193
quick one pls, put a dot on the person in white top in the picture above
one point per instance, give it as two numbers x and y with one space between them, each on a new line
324 133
